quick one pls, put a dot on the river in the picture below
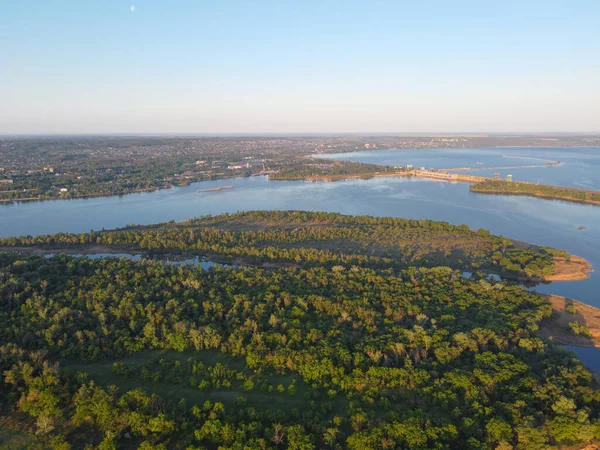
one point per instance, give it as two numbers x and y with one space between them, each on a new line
579 166
543 222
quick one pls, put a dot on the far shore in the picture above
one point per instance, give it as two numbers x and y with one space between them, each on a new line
478 184
75 197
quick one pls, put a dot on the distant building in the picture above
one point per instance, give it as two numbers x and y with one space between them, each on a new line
6 181
64 190
509 177
409 166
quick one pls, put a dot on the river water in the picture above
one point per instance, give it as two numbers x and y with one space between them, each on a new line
543 222
579 166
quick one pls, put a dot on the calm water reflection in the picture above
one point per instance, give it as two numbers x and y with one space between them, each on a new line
579 166
589 356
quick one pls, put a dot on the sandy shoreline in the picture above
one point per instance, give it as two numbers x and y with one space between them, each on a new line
557 328
577 269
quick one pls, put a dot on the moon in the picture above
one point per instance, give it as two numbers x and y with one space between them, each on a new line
132 8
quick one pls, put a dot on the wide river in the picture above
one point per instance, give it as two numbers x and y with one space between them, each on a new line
579 166
544 222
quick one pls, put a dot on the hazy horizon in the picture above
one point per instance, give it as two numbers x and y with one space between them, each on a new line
268 134
257 68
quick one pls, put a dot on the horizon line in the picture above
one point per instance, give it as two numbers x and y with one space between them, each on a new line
313 133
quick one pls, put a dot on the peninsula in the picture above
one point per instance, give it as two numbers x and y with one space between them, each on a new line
308 239
503 187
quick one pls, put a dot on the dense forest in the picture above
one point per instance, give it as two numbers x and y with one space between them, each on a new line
114 353
347 345
311 239
537 190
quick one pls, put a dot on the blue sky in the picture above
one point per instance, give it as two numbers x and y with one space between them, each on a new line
96 66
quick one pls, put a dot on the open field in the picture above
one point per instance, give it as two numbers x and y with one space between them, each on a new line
173 388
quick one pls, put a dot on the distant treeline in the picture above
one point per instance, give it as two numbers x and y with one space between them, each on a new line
326 358
302 170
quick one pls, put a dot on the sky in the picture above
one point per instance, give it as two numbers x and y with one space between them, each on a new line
236 66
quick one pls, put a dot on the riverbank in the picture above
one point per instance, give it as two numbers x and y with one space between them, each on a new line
573 269
566 311
76 197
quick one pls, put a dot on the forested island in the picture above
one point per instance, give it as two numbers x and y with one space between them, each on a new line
309 239
354 336
325 170
502 187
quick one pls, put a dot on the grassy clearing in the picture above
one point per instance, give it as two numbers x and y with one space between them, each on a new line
103 374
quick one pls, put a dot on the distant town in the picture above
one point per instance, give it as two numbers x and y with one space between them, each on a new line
67 167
